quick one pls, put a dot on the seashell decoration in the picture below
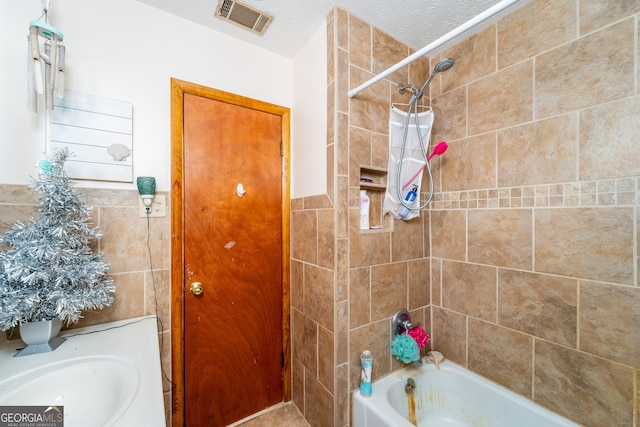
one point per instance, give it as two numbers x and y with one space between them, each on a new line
119 152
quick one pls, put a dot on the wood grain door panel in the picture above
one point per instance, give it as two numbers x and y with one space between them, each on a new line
232 244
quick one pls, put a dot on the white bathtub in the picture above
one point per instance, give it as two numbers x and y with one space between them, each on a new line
449 397
102 376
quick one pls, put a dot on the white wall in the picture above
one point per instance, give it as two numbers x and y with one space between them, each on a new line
309 118
126 50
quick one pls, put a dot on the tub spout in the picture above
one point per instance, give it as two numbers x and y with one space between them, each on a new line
409 386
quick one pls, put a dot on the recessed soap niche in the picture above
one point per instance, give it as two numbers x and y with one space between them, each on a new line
374 180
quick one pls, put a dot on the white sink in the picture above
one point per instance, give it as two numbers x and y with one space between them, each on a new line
106 378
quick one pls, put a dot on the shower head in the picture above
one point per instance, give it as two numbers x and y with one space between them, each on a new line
440 67
443 65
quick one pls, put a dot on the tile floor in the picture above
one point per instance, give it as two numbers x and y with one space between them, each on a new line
282 415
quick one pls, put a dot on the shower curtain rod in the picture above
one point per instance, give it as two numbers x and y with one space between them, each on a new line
495 9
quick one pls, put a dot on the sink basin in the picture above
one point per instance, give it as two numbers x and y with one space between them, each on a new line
111 382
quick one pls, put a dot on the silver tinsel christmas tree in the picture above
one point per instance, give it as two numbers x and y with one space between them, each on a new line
47 268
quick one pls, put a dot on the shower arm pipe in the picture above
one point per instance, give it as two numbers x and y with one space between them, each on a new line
495 9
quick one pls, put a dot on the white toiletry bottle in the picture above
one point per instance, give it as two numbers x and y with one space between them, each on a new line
403 211
366 361
364 210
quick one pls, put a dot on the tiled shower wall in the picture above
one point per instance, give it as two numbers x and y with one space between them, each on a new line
140 280
348 283
534 235
532 239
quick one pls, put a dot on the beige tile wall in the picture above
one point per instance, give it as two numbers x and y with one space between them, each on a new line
534 233
347 283
314 290
525 268
388 268
140 280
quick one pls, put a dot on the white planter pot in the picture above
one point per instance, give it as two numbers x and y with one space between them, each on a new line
40 337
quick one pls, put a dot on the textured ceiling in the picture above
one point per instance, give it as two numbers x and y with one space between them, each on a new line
413 22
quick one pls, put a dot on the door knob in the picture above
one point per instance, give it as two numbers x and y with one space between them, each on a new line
196 288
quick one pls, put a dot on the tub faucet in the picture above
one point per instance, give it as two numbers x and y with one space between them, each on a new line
409 386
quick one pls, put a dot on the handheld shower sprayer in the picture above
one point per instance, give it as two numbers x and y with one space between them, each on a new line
440 67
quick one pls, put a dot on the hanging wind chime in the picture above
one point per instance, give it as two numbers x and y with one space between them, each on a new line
45 67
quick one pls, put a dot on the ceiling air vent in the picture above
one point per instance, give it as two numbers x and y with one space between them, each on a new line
243 15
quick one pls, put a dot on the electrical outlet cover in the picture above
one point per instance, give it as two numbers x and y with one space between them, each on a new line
158 207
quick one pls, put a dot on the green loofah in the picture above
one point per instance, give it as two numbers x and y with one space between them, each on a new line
405 348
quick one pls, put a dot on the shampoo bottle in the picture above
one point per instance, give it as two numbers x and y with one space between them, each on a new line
366 361
364 210
411 196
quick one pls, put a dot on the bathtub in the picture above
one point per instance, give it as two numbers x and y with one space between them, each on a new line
449 397
104 375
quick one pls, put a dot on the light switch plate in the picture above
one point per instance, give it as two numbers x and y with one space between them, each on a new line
158 207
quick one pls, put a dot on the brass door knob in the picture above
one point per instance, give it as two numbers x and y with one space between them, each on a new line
196 288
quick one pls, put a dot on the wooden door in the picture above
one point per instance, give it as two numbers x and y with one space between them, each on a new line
232 235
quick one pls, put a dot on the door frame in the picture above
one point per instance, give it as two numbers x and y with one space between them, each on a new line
178 287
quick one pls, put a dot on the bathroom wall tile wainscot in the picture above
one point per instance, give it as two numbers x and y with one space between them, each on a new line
313 291
140 282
